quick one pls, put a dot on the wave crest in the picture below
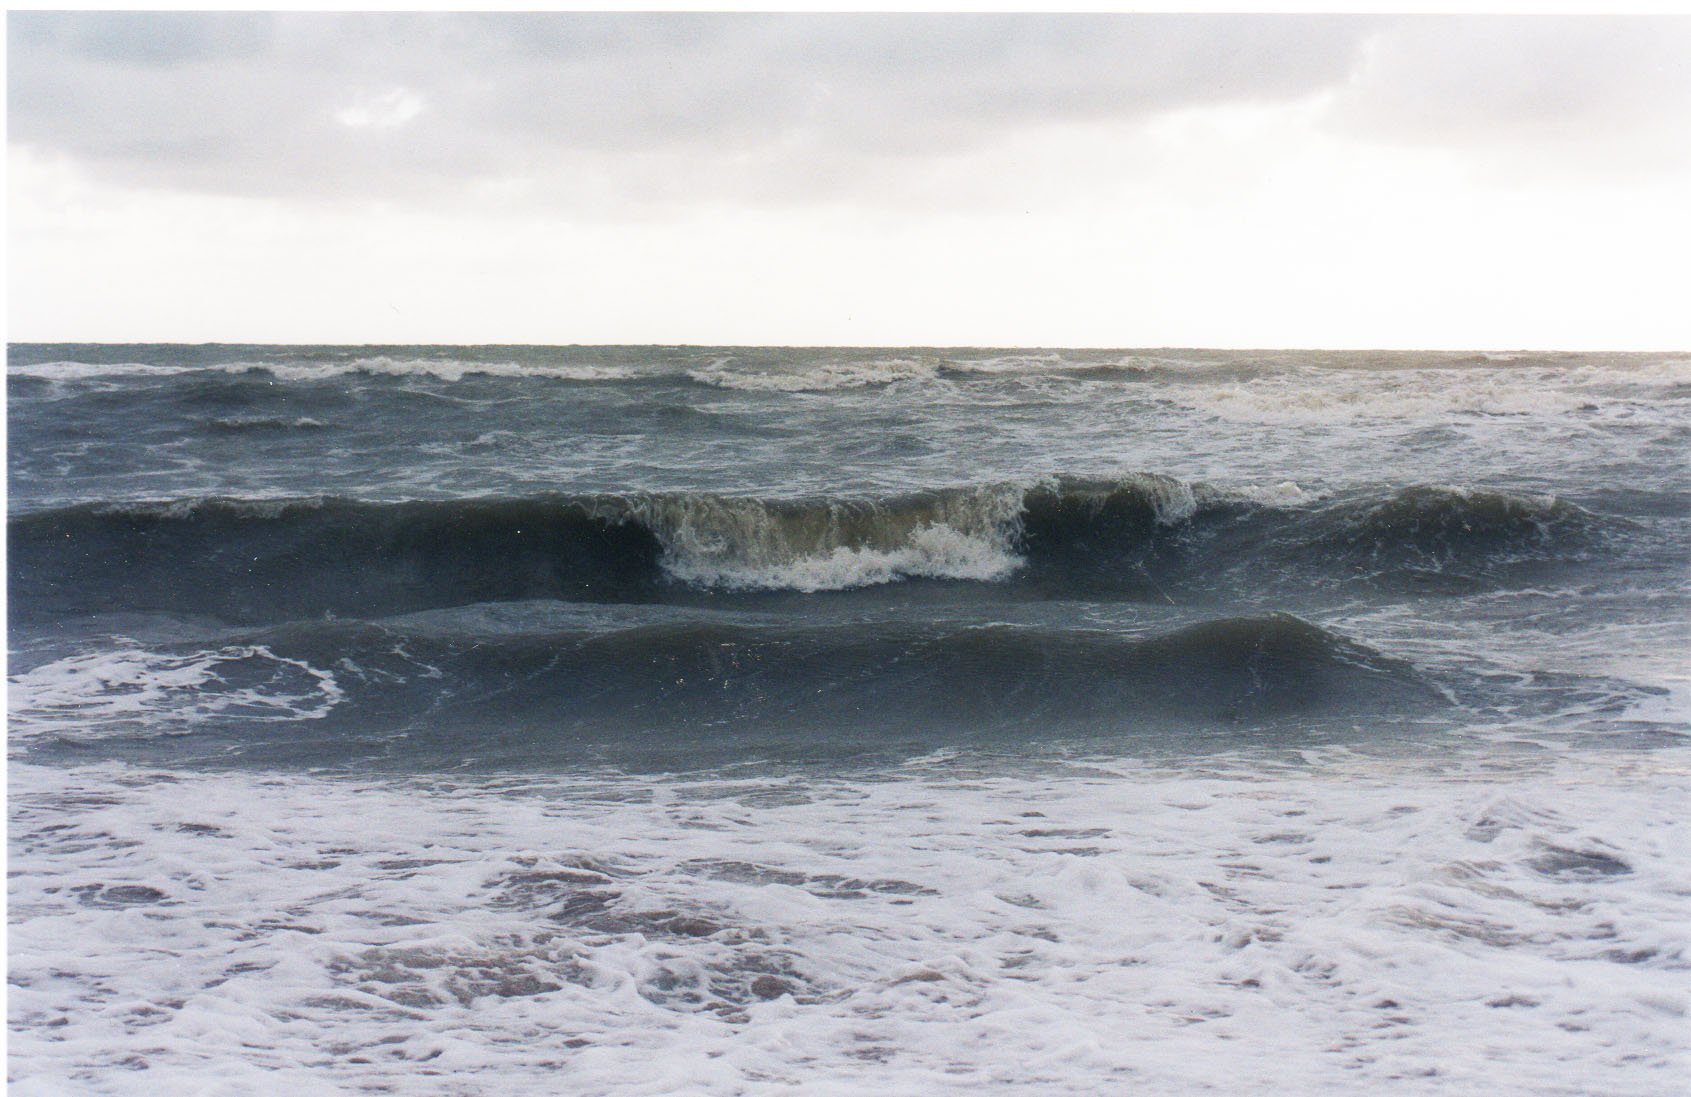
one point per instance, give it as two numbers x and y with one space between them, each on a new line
824 377
437 368
88 371
1450 523
1135 536
440 369
738 543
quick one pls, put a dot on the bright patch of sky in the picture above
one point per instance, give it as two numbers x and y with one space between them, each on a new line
390 108
871 179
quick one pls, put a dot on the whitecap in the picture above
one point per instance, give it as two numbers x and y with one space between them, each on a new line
824 377
86 371
448 369
756 544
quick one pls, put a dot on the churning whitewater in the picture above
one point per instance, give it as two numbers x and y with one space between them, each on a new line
735 720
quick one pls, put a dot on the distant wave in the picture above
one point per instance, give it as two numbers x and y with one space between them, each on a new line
1310 396
1264 388
1008 363
84 371
306 369
1058 363
440 369
1134 537
729 373
723 372
814 377
1448 523
243 424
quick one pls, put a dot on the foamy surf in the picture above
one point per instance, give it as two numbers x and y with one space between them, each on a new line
1416 927
132 690
1525 389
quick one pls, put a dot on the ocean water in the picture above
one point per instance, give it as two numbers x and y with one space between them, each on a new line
651 720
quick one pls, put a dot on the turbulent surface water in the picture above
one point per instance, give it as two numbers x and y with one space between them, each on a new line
692 720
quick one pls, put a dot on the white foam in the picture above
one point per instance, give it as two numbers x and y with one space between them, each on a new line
752 544
1286 493
256 505
1296 400
1174 501
1336 927
1670 707
303 422
1315 396
822 377
440 369
1013 363
933 551
128 688
1660 373
84 371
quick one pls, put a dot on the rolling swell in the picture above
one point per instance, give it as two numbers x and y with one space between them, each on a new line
1450 524
1136 538
480 685
1452 540
246 561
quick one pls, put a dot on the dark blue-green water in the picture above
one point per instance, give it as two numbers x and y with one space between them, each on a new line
440 557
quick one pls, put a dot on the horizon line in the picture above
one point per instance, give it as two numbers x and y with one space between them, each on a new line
878 346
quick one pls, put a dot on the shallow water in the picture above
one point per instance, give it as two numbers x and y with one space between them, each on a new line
1247 925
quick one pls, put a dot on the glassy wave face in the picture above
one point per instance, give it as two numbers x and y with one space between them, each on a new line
441 556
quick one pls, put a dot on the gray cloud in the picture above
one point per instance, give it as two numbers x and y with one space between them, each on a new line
624 107
1575 89
139 39
251 104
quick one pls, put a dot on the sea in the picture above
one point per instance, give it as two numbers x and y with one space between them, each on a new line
678 720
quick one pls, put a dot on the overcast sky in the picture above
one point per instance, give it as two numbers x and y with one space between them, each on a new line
1121 180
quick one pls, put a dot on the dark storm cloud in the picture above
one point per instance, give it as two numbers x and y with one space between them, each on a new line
751 105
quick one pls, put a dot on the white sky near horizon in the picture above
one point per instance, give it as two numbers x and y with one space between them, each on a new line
1371 181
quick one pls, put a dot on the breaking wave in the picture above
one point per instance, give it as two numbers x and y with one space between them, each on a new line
439 369
1507 389
1137 536
86 371
306 369
825 377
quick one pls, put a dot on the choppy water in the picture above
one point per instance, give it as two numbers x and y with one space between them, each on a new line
719 720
